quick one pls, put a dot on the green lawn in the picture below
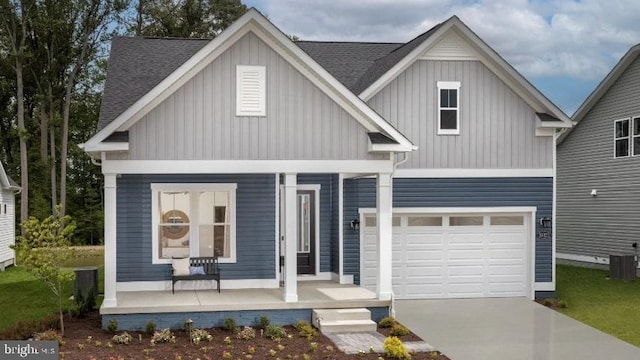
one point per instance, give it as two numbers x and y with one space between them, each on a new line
612 306
24 297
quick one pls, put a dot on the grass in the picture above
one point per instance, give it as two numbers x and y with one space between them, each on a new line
26 297
608 305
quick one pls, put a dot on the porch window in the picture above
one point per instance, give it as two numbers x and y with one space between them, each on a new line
193 220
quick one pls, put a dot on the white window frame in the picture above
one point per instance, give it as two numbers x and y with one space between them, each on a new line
449 85
194 247
629 138
632 126
241 110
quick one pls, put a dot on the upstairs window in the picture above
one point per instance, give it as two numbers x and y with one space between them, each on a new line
622 138
448 108
250 90
635 136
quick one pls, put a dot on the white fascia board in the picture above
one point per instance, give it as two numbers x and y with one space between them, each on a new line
102 146
487 56
4 179
390 147
279 42
471 173
244 166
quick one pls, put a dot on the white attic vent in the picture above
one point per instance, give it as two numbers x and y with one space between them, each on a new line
250 90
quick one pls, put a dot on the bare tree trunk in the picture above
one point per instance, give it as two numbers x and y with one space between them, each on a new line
52 145
24 171
64 143
44 132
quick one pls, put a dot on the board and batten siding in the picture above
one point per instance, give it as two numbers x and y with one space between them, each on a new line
199 122
452 192
497 127
255 226
7 226
610 222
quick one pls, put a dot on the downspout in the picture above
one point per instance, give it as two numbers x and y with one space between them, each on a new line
392 309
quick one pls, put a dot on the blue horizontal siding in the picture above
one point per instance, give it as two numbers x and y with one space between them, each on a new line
175 320
451 192
255 226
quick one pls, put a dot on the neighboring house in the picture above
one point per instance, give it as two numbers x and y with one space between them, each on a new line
598 167
8 189
417 170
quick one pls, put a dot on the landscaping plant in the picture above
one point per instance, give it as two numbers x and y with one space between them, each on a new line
395 349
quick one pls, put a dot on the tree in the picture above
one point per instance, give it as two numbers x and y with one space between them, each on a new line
186 18
43 251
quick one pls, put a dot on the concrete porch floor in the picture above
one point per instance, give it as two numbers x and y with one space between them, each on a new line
311 294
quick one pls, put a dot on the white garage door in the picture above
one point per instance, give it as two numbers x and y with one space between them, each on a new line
452 255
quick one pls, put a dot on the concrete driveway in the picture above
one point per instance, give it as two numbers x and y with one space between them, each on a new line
509 329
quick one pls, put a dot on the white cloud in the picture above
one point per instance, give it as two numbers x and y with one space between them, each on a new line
580 39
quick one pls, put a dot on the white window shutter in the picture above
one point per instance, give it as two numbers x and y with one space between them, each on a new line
250 90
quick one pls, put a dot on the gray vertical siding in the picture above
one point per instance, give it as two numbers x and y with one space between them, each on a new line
608 223
454 192
198 121
255 226
497 127
327 207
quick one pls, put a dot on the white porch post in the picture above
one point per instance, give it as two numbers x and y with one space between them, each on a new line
384 217
109 241
290 237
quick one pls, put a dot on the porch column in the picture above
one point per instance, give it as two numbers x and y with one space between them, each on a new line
290 237
109 241
384 220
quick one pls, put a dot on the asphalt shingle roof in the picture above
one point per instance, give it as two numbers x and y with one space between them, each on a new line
138 64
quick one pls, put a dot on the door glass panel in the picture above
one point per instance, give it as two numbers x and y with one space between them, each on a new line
370 221
507 220
465 221
304 223
425 221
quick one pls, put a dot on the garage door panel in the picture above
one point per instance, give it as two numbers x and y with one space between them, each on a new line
454 261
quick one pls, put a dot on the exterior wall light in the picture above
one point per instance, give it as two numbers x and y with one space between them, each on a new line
355 224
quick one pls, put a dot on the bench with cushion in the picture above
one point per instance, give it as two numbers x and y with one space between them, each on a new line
196 268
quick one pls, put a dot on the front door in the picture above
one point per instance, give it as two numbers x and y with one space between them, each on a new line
306 242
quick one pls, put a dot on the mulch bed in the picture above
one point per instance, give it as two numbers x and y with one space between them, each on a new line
85 340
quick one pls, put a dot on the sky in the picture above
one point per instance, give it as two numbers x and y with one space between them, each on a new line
563 47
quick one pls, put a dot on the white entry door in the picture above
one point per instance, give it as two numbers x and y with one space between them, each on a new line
453 255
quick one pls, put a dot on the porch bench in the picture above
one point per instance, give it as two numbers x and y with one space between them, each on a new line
211 271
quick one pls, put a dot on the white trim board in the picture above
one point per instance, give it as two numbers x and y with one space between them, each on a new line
128 286
244 166
454 210
545 286
602 260
471 173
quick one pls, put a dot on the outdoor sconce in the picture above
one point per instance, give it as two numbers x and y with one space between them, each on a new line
545 222
355 224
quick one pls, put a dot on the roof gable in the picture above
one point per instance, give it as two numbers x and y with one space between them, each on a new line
602 88
425 45
5 181
254 22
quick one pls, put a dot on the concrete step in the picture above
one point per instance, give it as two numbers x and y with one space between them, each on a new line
340 314
343 320
343 326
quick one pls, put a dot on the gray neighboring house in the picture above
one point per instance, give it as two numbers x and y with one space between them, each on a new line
598 198
406 171
8 188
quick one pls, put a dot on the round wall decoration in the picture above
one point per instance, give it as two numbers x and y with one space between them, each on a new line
176 230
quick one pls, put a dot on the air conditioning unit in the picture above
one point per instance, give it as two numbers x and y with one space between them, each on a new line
623 267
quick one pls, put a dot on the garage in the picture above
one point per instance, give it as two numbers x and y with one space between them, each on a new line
453 255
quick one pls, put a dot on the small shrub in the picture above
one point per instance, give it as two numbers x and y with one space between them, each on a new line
198 335
395 349
387 322
547 302
247 333
275 332
305 329
229 324
313 346
112 326
85 304
49 335
264 322
124 339
227 355
150 328
399 330
24 329
163 336
434 355
563 304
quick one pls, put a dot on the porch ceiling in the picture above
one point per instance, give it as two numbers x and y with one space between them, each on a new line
311 294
